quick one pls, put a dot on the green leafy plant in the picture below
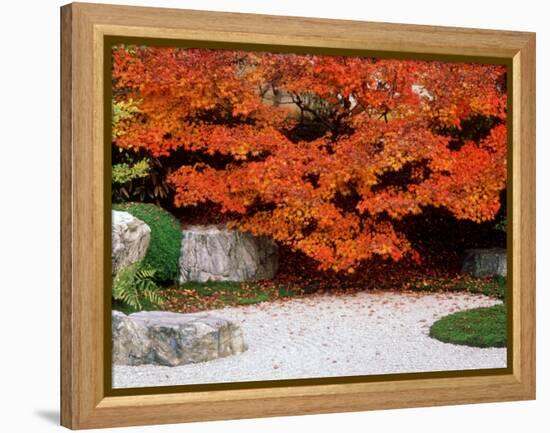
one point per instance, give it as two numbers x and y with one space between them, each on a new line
135 287
138 177
124 172
164 247
502 224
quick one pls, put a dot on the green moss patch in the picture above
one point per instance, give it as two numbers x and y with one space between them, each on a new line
480 327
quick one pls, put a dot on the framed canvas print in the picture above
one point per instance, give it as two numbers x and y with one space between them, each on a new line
271 216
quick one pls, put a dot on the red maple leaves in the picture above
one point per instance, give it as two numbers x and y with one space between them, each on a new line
321 153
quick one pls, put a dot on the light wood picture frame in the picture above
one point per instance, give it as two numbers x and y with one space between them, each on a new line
86 398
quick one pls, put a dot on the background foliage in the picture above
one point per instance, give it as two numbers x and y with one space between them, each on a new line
328 155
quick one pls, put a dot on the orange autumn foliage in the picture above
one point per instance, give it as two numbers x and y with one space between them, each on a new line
322 153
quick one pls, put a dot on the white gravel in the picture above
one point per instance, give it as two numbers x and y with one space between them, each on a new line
321 336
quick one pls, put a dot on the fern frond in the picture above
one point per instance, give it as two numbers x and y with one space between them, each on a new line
135 284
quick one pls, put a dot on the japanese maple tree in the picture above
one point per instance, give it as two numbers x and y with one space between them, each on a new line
322 153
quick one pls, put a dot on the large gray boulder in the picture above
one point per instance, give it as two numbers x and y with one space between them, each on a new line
216 253
485 262
131 345
170 339
130 240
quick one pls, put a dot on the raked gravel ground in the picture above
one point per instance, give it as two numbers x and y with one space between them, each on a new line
320 336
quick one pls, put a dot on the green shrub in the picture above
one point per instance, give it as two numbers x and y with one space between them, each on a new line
164 248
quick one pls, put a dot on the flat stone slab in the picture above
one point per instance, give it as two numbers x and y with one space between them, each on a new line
170 339
485 262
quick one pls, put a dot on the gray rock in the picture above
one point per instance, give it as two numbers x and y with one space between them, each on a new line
485 262
130 240
214 253
131 345
173 339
